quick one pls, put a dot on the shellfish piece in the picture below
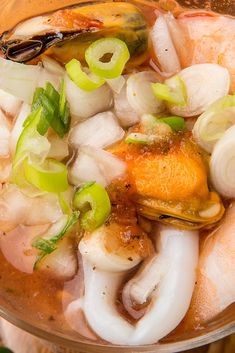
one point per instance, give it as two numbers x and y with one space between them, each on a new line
171 186
68 32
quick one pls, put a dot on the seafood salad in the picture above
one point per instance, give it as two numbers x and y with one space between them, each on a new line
117 213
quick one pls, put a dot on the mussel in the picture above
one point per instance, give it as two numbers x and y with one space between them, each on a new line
170 183
66 33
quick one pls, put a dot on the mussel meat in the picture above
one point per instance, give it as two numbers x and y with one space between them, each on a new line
170 183
66 33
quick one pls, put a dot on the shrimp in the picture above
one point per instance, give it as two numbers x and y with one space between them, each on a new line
215 288
212 40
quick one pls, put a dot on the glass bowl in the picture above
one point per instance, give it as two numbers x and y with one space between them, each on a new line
28 317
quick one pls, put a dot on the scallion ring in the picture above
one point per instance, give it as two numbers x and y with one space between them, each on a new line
51 176
107 57
93 202
80 78
172 91
175 122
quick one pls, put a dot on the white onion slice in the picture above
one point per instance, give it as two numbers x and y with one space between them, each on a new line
163 47
140 94
9 103
100 131
59 148
93 249
85 104
85 169
213 123
116 84
205 83
52 66
4 136
46 76
123 110
18 126
222 164
18 79
95 165
62 263
16 208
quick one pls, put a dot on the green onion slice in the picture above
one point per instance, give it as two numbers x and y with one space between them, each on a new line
80 78
51 176
5 350
138 138
30 144
175 122
107 57
54 110
172 91
93 202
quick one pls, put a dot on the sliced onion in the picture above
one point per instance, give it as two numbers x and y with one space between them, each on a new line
9 103
163 47
5 170
123 110
62 263
85 104
52 66
59 148
18 79
100 131
205 83
85 169
18 126
222 164
4 136
212 124
96 165
46 76
140 95
116 84
16 208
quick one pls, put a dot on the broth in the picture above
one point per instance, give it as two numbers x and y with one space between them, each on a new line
40 298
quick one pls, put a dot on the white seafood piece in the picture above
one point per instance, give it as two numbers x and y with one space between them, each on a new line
85 104
4 136
9 103
18 126
222 164
140 94
16 208
169 301
211 37
96 165
164 48
93 249
100 131
215 287
205 83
